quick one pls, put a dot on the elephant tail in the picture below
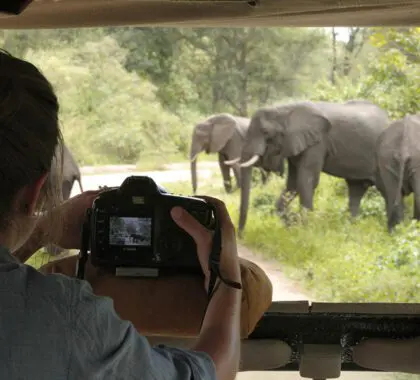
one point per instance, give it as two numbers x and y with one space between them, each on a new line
402 162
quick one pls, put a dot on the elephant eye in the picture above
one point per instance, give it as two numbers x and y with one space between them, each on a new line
266 133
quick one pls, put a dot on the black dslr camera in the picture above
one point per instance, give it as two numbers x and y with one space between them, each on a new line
129 230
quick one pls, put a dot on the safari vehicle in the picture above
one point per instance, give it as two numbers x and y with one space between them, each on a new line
320 340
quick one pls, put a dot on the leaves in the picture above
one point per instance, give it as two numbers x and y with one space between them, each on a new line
128 92
391 77
106 111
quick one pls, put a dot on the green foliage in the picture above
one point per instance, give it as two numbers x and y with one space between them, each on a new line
344 89
39 259
128 94
391 78
107 112
374 204
394 76
218 70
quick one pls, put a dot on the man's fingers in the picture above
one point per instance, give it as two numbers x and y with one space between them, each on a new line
223 214
198 232
91 193
187 222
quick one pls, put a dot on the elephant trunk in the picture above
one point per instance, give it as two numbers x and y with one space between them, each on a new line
194 174
196 149
245 189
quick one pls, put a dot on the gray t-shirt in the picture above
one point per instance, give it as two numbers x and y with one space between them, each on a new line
54 327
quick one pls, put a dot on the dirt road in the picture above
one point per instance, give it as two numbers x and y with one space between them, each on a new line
283 289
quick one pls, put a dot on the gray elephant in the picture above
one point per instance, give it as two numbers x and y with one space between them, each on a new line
64 160
70 170
223 134
398 164
335 138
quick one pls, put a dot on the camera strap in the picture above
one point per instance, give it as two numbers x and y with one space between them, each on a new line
214 265
214 261
83 253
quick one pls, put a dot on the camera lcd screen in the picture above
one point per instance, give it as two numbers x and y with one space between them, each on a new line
130 231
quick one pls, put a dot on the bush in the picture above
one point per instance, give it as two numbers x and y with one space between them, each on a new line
107 113
390 79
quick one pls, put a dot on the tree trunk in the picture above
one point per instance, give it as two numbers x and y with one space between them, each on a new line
334 56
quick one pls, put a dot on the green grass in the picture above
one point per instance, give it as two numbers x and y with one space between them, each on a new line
39 259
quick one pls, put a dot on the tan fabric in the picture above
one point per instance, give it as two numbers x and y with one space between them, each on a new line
389 355
77 13
171 306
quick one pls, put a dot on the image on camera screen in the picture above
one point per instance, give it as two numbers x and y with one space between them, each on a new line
130 231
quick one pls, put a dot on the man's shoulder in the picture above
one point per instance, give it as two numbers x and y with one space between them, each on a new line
53 287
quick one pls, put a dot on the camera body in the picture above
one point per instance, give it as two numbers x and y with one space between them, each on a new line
131 227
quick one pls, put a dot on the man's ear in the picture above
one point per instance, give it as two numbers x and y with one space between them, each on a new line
29 195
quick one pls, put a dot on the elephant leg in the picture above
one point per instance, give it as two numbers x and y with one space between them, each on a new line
415 185
395 213
309 170
289 193
237 172
307 182
394 210
264 176
357 189
225 173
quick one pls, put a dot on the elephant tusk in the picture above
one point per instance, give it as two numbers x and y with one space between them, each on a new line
233 162
250 162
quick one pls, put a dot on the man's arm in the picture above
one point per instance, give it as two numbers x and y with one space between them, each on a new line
106 347
220 332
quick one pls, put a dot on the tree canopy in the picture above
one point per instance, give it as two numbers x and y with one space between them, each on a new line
127 92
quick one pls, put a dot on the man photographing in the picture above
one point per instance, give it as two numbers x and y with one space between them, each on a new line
55 327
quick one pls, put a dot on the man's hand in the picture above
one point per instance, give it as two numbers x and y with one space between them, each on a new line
229 260
220 331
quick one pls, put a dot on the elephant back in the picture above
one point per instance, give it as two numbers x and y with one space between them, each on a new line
352 139
362 119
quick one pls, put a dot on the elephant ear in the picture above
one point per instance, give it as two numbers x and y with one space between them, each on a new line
305 127
224 127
